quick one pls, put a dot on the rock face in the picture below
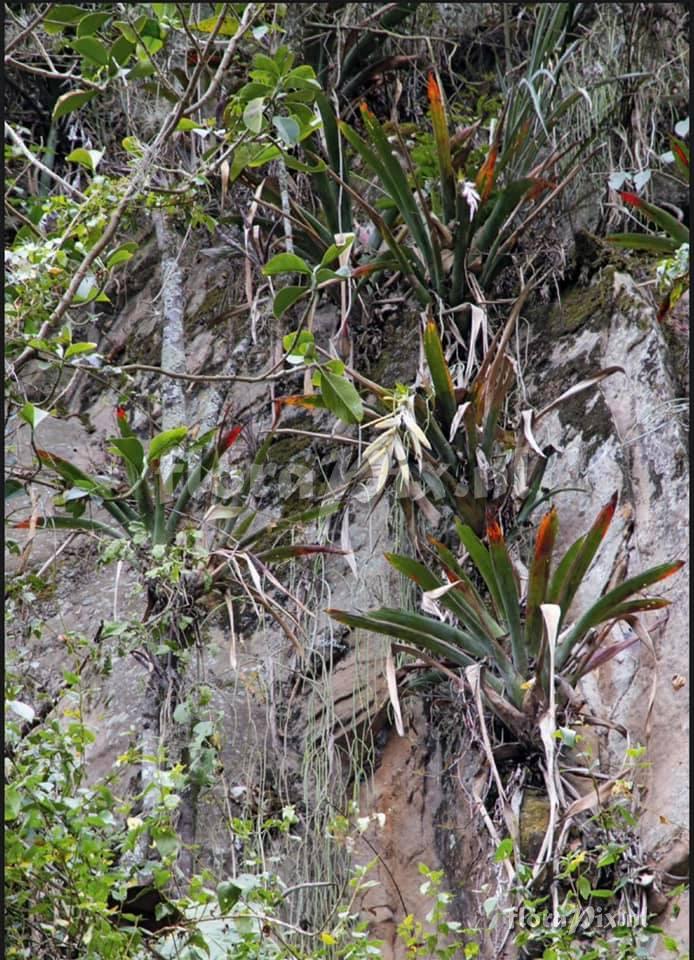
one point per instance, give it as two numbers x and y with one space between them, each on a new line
284 736
629 436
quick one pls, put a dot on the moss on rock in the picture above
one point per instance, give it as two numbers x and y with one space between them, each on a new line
583 306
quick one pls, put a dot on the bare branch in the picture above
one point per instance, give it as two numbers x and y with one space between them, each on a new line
19 143
15 42
53 74
137 184
252 11
210 378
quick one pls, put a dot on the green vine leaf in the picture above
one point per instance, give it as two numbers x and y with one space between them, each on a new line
164 442
71 101
341 398
253 114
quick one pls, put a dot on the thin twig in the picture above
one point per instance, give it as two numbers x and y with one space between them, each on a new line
57 553
388 33
320 436
210 378
27 30
165 85
251 12
19 143
12 211
137 183
54 74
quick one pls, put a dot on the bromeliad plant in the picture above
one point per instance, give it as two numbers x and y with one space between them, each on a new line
150 511
674 236
445 444
453 437
469 216
672 244
449 224
675 233
435 229
143 502
501 627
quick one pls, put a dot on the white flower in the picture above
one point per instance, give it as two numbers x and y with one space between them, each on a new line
471 196
400 432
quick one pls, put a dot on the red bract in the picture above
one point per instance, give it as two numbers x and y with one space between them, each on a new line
546 534
121 413
604 518
484 181
494 532
228 439
433 91
681 154
631 198
365 270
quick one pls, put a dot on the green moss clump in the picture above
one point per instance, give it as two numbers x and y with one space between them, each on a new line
580 306
289 450
533 821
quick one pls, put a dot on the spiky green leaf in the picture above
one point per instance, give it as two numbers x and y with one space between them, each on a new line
612 605
480 557
562 592
69 523
643 241
508 591
442 139
538 579
440 374
454 600
410 634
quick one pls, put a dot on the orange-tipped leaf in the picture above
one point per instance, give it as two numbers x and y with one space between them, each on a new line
615 605
484 181
508 591
443 147
538 578
440 374
563 592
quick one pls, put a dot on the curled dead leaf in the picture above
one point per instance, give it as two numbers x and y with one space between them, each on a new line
392 681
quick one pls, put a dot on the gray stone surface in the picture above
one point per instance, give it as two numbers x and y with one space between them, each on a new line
281 735
636 446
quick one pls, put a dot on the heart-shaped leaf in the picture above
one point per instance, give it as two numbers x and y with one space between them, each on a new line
285 263
286 298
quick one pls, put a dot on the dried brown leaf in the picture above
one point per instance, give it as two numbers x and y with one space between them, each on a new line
577 388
